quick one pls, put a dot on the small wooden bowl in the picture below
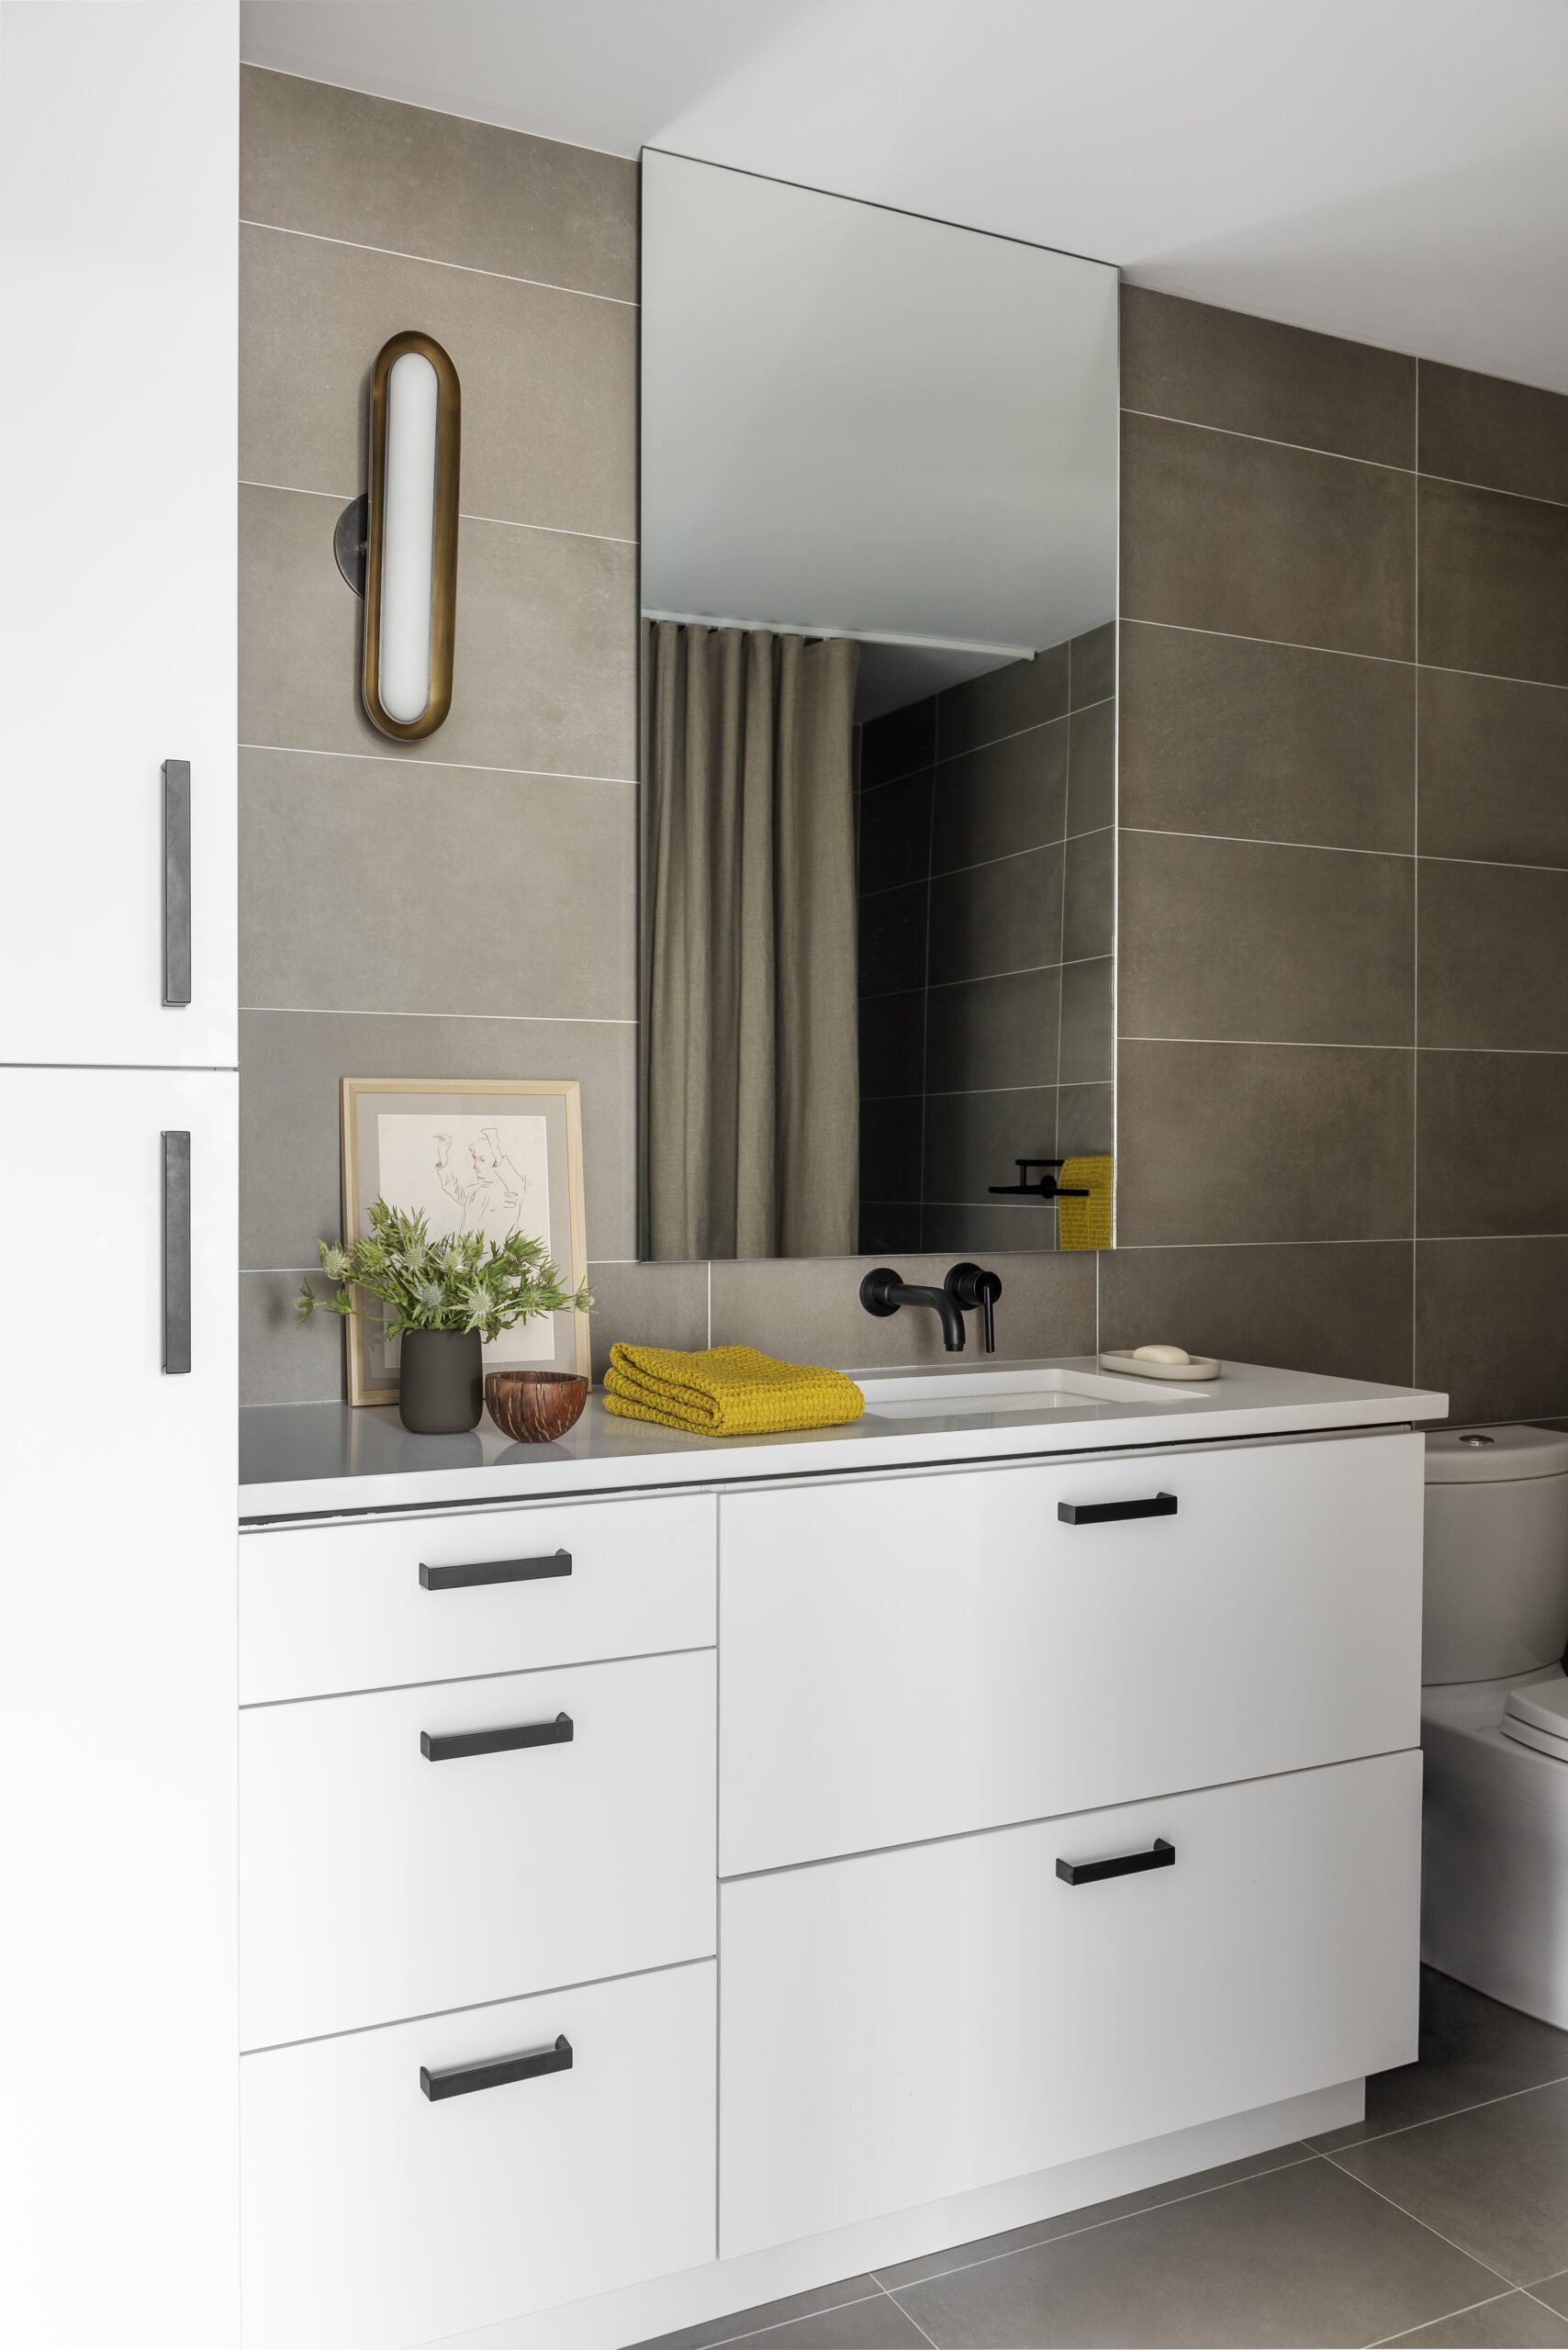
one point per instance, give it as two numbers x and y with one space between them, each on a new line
534 1407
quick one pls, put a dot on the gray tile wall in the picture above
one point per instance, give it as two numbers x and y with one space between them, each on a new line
467 905
1343 999
987 906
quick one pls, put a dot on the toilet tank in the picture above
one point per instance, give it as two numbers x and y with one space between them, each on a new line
1496 1552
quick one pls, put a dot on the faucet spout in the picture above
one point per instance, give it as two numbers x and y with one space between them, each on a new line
883 1293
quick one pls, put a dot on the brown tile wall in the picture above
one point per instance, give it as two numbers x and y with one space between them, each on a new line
421 910
1343 988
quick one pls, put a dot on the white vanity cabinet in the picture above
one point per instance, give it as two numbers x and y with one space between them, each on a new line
917 1839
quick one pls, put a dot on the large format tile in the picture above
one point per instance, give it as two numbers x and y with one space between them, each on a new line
892 1044
926 2266
889 1150
808 1309
1003 701
335 163
1494 769
1494 583
1262 1142
1237 938
898 743
1301 2256
290 1064
1006 796
647 1306
1494 957
1086 1115
1491 1143
1091 769
361 889
1340 1309
1246 375
973 1140
1553 2291
1088 1050
1256 540
1265 741
1092 666
891 939
1494 2181
987 1229
549 381
1000 1032
1504 436
1473 2049
1511 2321
544 672
283 1360
1000 917
1490 1329
1089 896
895 833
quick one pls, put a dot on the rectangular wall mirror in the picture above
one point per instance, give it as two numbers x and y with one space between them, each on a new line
879 588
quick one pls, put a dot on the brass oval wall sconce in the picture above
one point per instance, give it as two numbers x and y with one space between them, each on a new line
409 578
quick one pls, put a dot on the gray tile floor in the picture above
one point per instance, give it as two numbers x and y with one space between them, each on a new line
1441 2219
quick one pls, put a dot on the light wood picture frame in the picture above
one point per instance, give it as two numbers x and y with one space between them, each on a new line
495 1155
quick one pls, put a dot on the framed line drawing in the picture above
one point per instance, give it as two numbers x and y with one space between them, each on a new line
492 1156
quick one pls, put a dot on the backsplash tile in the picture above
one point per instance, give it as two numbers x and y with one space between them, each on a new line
648 1306
1336 1307
809 1310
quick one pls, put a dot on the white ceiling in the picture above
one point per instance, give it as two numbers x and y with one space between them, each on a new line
1393 170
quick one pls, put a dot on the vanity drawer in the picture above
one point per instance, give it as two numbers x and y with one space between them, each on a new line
376 1882
374 2218
324 1609
910 2024
935 1654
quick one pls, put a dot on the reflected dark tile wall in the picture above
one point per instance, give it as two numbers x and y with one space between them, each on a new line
1401 1065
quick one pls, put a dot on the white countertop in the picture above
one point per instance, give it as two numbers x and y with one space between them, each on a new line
314 1459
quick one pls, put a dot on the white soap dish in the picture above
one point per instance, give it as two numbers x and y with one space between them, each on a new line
1201 1367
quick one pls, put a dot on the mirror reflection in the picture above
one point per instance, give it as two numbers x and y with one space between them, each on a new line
878 729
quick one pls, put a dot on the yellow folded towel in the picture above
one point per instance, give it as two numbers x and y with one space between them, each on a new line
726 1391
1085 1223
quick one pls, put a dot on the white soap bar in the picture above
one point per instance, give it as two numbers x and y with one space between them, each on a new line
1160 1354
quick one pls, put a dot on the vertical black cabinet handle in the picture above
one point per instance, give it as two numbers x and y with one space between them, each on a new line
1163 1857
176 883
176 1252
557 1562
462 2080
451 1747
1109 1513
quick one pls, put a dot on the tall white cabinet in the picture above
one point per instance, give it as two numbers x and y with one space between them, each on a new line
118 296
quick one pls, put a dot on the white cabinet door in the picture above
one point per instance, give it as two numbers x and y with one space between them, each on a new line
118 294
935 1654
912 2024
376 2217
117 1695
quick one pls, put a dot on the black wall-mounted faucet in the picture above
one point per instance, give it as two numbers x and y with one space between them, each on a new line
965 1288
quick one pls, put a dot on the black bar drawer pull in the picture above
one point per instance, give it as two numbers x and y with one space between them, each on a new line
462 2080
1163 1857
494 1741
559 1562
1107 1513
176 883
176 1252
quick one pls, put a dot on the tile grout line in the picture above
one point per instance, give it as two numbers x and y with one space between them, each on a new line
758 2332
1343 652
1091 2227
465 766
1455 2113
359 1012
496 521
1464 2311
1507 2282
1345 456
910 2315
433 261
1314 848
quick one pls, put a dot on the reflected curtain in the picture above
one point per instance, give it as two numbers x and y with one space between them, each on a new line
749 1133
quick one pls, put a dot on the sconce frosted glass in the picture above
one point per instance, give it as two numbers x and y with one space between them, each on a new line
410 585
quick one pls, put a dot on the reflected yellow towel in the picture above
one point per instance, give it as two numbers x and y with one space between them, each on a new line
726 1391
1085 1223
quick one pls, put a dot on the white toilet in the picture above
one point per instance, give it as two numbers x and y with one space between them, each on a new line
1495 1714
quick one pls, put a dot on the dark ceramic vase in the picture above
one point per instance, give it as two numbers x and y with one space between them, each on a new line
441 1382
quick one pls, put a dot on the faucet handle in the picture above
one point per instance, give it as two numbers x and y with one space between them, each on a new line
972 1285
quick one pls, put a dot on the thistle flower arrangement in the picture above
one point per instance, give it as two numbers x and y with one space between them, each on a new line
465 1284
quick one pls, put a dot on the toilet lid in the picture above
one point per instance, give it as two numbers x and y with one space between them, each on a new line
1537 1716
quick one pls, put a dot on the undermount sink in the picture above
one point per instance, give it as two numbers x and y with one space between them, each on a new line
1017 1391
